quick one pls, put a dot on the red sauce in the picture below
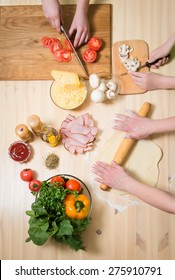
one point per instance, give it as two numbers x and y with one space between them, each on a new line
19 151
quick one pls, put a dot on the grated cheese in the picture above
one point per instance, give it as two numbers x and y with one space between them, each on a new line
67 96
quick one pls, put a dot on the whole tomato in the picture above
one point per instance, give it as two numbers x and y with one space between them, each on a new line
34 185
73 185
58 180
26 174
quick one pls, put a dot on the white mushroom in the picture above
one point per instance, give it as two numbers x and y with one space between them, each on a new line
102 86
97 96
131 64
111 94
111 85
94 80
124 51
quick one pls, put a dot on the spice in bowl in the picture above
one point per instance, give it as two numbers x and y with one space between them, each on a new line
52 161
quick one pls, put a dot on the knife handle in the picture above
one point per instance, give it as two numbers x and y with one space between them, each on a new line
149 64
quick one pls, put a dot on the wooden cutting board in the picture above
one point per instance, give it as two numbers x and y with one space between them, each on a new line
22 56
127 85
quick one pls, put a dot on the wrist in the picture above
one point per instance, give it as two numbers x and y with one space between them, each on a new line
82 7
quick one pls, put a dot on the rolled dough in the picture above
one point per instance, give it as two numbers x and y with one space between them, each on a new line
142 164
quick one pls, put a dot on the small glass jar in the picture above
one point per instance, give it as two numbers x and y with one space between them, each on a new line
50 135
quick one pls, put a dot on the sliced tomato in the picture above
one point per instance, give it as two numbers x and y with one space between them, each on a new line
95 43
53 41
48 42
68 46
63 55
89 55
45 41
56 47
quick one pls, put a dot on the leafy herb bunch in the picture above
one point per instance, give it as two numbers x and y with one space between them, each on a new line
48 218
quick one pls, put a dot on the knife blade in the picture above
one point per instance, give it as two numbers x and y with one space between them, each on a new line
147 64
75 52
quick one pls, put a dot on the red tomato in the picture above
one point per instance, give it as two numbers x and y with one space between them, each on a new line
56 47
59 180
48 42
68 46
63 55
34 185
73 185
26 174
89 55
45 41
95 43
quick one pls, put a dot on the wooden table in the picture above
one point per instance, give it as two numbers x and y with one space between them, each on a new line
139 232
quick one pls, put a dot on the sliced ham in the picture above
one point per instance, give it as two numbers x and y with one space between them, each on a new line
72 142
80 150
78 133
76 128
94 130
88 120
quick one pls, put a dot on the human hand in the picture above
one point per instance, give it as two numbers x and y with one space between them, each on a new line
137 127
79 28
53 12
112 175
149 81
159 52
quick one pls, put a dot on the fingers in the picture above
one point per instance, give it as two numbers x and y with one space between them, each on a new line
100 167
55 22
81 37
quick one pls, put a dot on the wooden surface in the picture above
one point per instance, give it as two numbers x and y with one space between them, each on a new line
127 85
139 232
24 58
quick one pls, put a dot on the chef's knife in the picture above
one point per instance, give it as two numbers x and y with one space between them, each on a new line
147 64
75 52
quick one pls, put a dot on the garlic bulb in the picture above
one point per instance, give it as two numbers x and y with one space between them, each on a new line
98 96
94 80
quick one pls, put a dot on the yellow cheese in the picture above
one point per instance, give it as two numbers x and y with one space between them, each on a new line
65 78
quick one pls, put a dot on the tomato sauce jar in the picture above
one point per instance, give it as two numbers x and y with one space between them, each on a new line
19 151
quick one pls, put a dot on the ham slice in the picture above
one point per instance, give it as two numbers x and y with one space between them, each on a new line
78 134
76 128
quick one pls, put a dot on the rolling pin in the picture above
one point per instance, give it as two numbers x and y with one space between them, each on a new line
127 144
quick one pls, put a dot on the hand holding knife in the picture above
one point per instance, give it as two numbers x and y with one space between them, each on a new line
148 64
75 52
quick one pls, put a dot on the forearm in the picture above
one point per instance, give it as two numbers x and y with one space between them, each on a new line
158 198
163 125
82 6
171 41
166 82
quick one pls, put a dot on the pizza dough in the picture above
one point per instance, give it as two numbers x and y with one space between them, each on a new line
142 164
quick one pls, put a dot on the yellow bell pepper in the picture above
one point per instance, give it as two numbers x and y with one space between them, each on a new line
77 207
